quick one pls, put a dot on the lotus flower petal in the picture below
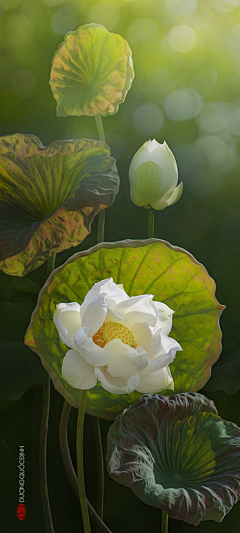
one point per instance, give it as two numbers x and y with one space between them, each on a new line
160 379
124 360
116 385
150 267
164 319
84 377
49 197
92 72
186 463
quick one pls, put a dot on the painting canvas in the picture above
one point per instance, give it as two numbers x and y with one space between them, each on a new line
119 266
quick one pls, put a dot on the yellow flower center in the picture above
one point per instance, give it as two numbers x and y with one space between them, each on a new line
113 330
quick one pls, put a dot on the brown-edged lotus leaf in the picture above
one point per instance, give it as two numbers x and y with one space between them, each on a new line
155 267
49 197
92 72
177 454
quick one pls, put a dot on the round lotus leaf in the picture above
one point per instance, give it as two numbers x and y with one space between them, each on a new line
177 454
49 197
143 267
92 72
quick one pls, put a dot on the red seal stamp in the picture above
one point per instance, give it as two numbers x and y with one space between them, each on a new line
21 511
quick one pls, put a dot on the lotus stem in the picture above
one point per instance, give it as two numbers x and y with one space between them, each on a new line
100 130
101 216
80 466
44 433
67 461
101 226
100 466
96 424
50 264
150 223
43 454
65 452
164 522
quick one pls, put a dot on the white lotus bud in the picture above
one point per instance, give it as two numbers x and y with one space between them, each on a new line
153 177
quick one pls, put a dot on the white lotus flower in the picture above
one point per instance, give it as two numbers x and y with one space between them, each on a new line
153 177
122 342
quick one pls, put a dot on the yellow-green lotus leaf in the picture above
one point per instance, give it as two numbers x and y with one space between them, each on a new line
49 197
92 72
143 267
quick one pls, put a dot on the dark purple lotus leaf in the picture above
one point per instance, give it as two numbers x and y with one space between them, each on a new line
177 454
49 197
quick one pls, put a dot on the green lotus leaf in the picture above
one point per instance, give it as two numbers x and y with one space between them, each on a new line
92 72
49 197
186 463
143 267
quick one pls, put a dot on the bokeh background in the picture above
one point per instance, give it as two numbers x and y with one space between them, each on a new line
186 57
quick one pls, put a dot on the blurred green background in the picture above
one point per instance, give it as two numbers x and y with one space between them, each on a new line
186 56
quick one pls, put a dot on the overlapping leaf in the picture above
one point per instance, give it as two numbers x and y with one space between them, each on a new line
92 72
153 267
49 197
186 463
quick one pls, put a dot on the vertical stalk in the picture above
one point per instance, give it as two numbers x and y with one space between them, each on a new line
43 435
80 467
43 454
100 130
96 424
164 522
101 215
150 223
50 264
63 441
101 226
67 461
100 465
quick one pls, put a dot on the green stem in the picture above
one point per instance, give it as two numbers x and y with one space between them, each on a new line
100 130
63 441
96 424
80 467
67 461
101 216
44 434
43 454
150 223
100 465
50 264
164 522
101 226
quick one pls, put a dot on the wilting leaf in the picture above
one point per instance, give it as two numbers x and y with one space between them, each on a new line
49 197
186 463
19 370
144 267
92 72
